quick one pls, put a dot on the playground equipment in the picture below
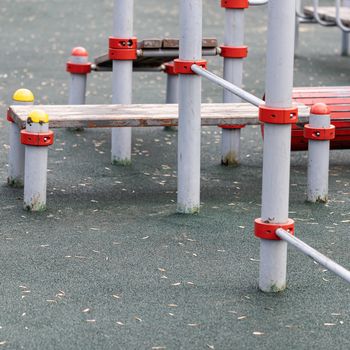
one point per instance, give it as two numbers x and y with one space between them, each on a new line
278 113
327 16
15 176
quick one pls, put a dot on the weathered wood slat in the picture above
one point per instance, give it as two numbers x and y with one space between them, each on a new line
150 44
327 13
141 115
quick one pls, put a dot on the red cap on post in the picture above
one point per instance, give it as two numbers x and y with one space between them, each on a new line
320 108
79 52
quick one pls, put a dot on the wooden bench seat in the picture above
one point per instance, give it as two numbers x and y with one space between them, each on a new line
327 13
338 100
141 115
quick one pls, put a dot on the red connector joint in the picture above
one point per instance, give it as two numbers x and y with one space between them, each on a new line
234 51
184 66
37 139
265 230
235 4
79 68
238 126
278 115
122 49
319 134
169 68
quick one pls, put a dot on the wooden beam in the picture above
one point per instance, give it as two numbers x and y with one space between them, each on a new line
140 115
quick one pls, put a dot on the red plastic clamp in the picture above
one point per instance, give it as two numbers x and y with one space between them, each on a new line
234 51
238 126
266 230
37 139
319 134
122 49
235 4
169 68
79 68
278 115
184 66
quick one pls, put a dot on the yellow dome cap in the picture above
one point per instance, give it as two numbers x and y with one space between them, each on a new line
38 116
23 95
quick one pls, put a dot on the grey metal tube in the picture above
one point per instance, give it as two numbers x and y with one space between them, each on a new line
314 254
233 73
258 2
246 96
189 130
277 139
122 81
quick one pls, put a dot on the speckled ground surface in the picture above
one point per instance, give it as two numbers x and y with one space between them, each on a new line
110 265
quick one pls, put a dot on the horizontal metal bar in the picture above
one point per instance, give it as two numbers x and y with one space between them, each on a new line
246 96
258 2
314 254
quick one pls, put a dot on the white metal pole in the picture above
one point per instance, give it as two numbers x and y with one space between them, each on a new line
233 73
36 152
345 42
318 161
297 24
15 177
277 142
246 96
189 131
172 86
77 86
122 80
315 255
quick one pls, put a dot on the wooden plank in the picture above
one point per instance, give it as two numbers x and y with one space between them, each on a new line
207 43
150 44
327 13
141 115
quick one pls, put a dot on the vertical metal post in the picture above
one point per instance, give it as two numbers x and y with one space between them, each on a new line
345 42
319 132
122 80
79 67
172 86
36 138
233 72
277 141
189 131
15 177
297 24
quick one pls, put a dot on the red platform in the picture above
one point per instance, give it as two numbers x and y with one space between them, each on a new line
338 100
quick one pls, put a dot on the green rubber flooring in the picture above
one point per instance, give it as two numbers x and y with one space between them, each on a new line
110 265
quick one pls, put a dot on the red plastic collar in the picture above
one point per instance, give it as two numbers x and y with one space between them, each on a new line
278 115
268 231
79 68
319 134
184 66
122 49
170 68
235 4
238 126
234 51
37 139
